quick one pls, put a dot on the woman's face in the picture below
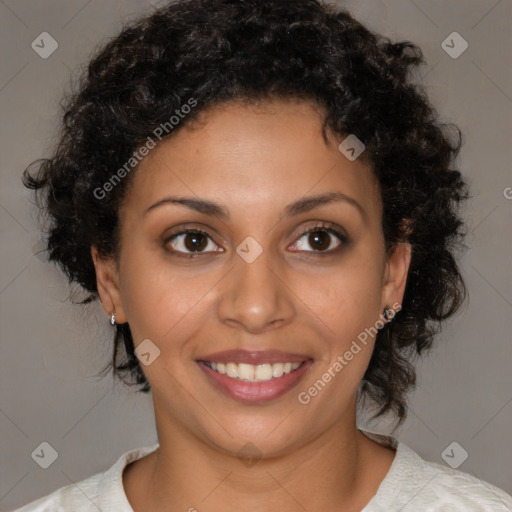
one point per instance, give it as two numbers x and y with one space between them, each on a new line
253 280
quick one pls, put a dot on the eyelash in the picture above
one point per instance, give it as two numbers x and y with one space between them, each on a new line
325 227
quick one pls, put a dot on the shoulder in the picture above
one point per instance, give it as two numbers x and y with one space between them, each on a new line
462 491
103 491
415 484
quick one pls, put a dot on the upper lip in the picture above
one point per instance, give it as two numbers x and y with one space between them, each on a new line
254 357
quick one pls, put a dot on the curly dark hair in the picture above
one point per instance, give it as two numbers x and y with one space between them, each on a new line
255 50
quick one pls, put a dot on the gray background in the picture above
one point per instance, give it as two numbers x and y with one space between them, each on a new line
51 350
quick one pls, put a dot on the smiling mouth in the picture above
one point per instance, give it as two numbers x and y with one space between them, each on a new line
253 373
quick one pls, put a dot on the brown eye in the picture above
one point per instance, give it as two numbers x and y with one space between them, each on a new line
195 241
321 240
191 241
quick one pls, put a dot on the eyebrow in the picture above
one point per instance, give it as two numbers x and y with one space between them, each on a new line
303 205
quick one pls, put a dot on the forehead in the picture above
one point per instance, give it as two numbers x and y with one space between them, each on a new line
253 157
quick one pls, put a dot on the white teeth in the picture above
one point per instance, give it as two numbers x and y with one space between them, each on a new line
277 370
254 373
232 370
263 372
245 371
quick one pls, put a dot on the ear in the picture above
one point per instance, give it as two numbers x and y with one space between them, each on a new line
395 275
107 282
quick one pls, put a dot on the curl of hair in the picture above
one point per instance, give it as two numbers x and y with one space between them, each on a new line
256 50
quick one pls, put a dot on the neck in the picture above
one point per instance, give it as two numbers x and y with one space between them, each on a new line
340 467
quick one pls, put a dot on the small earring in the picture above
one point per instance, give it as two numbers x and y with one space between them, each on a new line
388 313
113 319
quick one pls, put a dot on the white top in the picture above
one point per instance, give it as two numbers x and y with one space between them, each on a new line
411 485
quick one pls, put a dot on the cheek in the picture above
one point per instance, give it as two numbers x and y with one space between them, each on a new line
348 304
348 299
149 293
161 302
348 307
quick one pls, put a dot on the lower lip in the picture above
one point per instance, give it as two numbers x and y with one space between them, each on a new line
255 392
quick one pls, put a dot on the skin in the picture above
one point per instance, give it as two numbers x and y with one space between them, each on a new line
254 161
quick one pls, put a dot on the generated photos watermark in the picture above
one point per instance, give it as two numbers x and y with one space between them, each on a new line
305 397
159 133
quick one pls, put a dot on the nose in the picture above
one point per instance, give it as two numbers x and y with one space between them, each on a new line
256 296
